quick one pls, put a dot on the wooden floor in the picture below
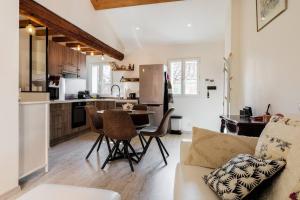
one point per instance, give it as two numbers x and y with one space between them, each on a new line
152 180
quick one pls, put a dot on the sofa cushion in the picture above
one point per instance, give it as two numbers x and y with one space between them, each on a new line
281 139
241 175
64 192
190 186
212 149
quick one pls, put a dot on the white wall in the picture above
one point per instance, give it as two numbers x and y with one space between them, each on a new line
9 76
82 14
196 111
269 60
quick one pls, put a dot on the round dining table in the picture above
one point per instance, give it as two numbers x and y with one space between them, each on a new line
142 139
131 112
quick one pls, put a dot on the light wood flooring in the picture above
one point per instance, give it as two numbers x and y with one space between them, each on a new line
152 180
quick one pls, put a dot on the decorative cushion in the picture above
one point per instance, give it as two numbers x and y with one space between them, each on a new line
242 174
212 149
281 139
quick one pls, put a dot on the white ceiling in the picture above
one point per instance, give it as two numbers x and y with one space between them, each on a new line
167 23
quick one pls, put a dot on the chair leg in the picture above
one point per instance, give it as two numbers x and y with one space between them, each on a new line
146 147
163 146
142 142
100 137
143 137
133 151
116 151
108 144
128 155
161 151
110 154
100 142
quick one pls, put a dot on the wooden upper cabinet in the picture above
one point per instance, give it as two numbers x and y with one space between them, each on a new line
63 58
55 58
82 66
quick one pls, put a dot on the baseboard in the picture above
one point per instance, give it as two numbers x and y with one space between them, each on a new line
10 193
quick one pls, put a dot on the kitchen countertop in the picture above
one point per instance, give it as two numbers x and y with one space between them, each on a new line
33 102
94 100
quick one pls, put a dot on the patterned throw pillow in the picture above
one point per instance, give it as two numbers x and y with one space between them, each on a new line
281 140
242 174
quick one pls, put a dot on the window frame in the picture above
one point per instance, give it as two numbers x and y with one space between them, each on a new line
183 67
100 76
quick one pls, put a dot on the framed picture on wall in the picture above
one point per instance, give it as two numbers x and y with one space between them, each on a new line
268 10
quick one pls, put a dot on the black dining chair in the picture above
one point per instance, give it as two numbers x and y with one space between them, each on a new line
157 133
96 123
141 121
118 126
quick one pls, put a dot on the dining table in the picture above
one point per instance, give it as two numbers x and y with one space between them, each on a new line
131 113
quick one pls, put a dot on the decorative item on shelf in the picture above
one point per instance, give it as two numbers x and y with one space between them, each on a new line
268 10
123 79
127 107
116 67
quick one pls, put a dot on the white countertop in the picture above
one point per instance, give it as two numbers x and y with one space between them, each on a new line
94 100
34 102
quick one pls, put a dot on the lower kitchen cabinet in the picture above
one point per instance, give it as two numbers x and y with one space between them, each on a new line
61 121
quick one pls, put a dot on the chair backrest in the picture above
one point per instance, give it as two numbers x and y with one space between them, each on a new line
95 120
140 120
164 124
118 125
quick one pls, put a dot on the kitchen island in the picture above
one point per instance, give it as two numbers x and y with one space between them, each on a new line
63 114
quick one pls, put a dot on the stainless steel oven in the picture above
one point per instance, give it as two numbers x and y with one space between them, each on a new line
78 114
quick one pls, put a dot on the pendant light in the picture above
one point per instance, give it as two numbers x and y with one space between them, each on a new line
78 48
30 29
92 53
102 57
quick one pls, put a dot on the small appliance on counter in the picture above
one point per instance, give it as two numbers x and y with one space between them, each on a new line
54 87
132 95
84 95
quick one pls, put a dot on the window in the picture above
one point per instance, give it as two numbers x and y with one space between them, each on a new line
95 79
101 79
106 81
184 76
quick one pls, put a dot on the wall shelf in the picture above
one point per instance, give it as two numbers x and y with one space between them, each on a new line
123 79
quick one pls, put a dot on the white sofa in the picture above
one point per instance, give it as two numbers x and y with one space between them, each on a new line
189 184
65 192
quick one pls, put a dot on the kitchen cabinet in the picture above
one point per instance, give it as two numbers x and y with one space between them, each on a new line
82 66
61 120
61 58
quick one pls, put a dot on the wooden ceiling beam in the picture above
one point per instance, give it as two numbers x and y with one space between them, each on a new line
43 32
108 4
24 23
75 44
38 13
62 39
87 49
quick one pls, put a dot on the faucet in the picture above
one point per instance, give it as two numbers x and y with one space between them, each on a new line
112 87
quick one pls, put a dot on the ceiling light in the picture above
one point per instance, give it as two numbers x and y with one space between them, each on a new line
102 57
30 29
78 48
92 53
189 25
137 28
